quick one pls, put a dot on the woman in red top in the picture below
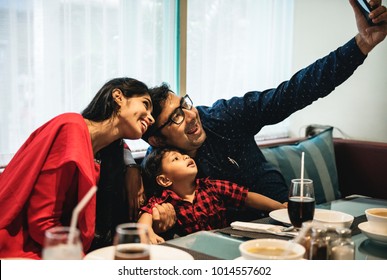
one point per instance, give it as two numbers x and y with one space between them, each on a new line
62 160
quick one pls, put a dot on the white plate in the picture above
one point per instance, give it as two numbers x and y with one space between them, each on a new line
379 236
281 215
158 252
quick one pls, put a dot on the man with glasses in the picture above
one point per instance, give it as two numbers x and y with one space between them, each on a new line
221 138
177 116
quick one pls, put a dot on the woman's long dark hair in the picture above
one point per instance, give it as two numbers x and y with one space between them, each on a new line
103 105
112 204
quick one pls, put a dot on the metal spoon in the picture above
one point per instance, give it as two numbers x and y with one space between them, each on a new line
287 229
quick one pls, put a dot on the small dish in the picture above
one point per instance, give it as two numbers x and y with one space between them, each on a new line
333 218
373 234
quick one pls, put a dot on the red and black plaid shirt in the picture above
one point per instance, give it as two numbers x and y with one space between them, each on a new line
208 210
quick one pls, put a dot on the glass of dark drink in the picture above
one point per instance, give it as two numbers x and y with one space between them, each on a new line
301 203
132 242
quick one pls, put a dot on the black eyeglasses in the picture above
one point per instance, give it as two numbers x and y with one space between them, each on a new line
178 116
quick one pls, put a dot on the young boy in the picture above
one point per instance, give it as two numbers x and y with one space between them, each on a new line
200 204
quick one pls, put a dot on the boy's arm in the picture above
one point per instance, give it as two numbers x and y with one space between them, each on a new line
262 202
146 218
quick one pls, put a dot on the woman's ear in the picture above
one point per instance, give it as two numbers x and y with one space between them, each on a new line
118 96
156 141
163 181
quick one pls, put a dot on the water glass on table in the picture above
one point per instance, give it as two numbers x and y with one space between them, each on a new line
301 203
59 244
132 242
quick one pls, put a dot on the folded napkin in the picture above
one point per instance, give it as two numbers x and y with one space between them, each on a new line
263 228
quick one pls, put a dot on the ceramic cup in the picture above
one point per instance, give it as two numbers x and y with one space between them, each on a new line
377 218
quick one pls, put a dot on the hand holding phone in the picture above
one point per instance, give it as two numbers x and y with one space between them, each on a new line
365 8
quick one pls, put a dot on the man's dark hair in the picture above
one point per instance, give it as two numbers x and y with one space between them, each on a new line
158 95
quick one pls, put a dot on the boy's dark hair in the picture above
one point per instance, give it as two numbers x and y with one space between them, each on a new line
158 95
152 168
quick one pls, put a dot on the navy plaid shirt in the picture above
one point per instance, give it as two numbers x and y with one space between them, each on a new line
208 210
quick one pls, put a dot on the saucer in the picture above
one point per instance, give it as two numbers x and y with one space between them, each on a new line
374 235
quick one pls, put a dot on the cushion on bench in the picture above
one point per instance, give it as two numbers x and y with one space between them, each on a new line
320 164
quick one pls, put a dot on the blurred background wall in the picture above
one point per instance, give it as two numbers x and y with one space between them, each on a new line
358 107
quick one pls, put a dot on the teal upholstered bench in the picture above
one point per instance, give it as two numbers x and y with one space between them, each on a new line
338 167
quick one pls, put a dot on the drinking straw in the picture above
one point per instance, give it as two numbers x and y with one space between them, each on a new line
77 209
302 174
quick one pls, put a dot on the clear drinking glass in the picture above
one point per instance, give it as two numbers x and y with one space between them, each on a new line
301 203
132 242
57 246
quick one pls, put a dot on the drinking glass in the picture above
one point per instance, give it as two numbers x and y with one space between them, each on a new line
132 242
57 246
301 203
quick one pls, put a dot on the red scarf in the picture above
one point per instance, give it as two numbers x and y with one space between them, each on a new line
64 139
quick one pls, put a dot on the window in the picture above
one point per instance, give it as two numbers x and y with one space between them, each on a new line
237 46
56 54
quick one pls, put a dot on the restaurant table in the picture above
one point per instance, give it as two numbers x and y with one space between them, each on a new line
224 243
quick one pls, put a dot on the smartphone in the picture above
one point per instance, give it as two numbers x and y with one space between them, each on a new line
365 9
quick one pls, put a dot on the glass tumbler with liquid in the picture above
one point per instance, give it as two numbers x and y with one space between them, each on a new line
132 242
60 245
301 203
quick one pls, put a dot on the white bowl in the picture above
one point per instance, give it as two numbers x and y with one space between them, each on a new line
333 218
377 218
271 249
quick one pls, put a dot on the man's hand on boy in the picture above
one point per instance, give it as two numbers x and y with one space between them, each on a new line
163 216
